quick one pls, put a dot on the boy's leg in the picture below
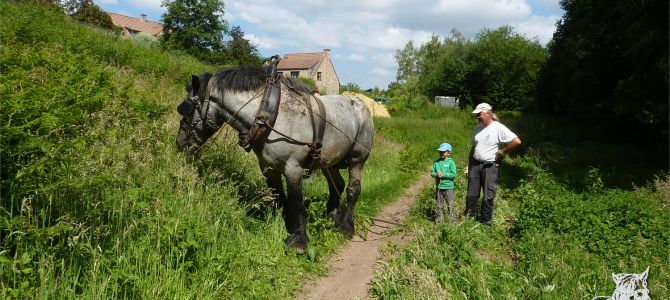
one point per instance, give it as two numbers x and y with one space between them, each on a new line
450 205
439 205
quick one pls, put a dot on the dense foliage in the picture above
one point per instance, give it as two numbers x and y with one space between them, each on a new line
87 12
195 27
499 67
609 59
350 87
239 50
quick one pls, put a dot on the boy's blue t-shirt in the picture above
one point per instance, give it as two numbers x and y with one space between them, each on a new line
448 168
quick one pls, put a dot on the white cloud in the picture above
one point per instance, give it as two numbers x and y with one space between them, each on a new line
154 5
382 72
538 27
263 42
386 59
547 4
350 57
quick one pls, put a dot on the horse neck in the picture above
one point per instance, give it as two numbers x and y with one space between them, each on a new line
240 106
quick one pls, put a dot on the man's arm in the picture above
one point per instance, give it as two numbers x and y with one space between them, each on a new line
470 161
510 146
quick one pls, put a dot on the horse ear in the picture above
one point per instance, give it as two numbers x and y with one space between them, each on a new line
195 83
185 108
645 274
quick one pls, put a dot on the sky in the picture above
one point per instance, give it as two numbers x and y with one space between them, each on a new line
363 35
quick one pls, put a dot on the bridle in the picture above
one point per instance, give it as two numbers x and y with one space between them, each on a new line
190 128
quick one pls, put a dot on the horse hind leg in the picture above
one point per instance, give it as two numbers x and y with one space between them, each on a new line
335 190
353 192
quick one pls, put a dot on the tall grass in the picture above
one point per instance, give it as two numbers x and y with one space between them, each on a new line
97 203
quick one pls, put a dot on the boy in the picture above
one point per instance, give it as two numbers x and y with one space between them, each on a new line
444 172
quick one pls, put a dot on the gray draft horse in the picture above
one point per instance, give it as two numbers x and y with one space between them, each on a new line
233 97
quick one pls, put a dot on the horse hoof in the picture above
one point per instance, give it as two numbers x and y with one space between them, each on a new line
335 216
347 231
296 242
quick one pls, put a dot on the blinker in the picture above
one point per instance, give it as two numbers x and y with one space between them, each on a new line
186 108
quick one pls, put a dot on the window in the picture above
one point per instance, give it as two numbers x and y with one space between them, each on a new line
294 74
318 76
280 74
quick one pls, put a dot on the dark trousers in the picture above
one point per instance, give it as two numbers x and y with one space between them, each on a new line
482 177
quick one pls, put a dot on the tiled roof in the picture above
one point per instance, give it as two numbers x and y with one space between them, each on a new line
137 24
300 60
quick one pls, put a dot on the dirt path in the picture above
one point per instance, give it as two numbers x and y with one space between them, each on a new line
351 269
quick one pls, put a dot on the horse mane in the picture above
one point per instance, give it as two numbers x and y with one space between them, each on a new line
246 78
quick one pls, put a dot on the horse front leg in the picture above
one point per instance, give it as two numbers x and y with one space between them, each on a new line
353 191
335 190
274 181
294 209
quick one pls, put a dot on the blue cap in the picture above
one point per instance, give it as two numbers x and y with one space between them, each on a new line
444 147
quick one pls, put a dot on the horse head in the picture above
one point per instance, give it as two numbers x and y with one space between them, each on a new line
194 127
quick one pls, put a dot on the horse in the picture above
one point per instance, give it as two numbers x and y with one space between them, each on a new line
341 132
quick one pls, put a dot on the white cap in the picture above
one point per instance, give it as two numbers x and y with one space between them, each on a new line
482 107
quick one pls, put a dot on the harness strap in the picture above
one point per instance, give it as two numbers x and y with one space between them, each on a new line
266 116
318 130
207 91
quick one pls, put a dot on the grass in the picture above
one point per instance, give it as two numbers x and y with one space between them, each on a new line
561 225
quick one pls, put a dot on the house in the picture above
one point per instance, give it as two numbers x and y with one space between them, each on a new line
133 26
316 66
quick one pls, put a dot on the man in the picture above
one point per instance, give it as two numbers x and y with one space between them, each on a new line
482 171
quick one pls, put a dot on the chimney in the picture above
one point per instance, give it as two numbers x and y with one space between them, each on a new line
143 17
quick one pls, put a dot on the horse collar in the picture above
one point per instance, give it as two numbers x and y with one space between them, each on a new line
266 116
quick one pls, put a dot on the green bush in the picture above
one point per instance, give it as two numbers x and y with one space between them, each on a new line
612 224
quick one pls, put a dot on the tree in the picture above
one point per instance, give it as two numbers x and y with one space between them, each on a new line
609 57
503 68
351 87
240 50
444 75
499 67
195 27
87 12
407 62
